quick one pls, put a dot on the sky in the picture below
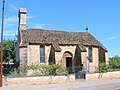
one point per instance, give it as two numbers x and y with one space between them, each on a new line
102 18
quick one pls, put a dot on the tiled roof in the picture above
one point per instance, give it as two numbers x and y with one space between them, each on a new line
56 47
81 47
40 36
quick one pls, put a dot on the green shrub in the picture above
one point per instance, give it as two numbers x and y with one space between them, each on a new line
102 67
14 72
114 63
57 69
40 70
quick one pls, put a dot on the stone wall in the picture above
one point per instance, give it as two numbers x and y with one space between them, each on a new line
38 80
84 60
23 56
33 54
59 55
106 58
47 53
92 66
108 75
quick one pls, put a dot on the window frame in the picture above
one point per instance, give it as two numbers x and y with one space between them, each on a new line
90 54
42 55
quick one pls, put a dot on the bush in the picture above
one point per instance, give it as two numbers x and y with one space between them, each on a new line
40 70
14 72
114 63
57 69
102 67
36 70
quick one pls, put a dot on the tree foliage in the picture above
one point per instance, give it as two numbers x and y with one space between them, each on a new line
9 48
114 65
114 62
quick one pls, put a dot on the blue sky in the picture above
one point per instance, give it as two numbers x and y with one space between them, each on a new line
101 16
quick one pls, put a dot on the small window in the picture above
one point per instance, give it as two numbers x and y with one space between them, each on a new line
42 54
90 54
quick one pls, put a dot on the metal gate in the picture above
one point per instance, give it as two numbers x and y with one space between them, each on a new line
78 71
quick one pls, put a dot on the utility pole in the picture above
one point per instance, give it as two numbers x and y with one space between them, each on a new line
1 59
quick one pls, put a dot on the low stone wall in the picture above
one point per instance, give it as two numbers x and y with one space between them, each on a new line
107 75
38 80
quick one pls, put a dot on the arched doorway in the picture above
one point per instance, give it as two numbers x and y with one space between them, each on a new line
68 61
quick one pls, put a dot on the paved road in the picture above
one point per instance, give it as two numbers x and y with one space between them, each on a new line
113 84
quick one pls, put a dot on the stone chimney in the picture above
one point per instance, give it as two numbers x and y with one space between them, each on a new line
22 18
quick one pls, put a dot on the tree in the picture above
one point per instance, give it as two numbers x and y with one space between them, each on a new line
9 48
114 62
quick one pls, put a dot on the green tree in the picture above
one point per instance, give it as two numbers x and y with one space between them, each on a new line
114 62
9 48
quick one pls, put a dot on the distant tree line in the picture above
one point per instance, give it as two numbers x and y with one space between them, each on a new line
114 65
114 62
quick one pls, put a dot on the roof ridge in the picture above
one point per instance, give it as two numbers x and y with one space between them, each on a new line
54 30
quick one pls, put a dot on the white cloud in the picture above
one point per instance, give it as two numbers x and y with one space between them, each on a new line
43 26
11 21
113 37
31 17
13 6
10 33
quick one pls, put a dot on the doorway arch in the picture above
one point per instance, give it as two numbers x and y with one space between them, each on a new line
67 61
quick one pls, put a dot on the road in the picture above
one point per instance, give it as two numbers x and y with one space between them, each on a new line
112 84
